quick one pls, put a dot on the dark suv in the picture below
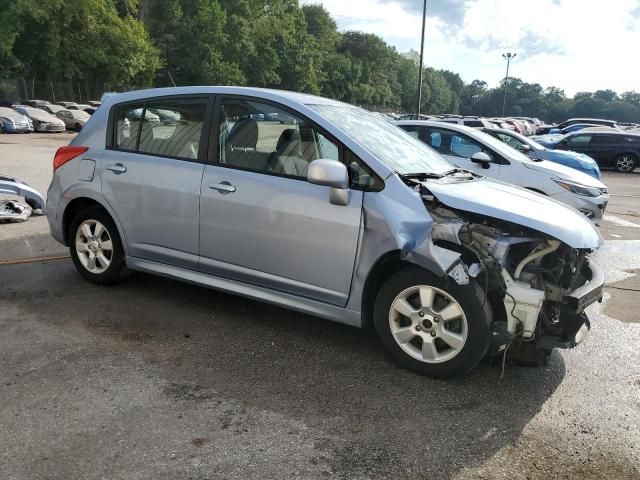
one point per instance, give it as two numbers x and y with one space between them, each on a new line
610 149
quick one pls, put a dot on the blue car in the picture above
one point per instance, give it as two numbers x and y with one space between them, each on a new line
539 151
572 128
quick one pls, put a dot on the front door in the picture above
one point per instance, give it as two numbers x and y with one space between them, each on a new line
151 178
261 222
458 149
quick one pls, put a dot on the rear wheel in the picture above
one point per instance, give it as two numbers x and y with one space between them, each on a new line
95 247
626 162
432 326
78 127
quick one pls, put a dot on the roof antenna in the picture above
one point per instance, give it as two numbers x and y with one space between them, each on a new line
171 78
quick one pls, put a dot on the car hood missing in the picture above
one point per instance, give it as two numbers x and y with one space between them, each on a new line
517 205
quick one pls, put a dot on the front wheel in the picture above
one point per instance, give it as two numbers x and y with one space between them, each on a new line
430 325
626 163
95 247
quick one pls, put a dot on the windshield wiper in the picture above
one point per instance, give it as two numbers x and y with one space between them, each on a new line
422 175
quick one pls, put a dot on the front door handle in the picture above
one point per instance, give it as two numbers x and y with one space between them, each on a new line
117 168
223 187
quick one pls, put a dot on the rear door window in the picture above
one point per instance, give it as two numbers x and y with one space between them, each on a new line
173 128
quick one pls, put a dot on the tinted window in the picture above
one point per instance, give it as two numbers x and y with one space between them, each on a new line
604 139
473 123
411 130
454 143
579 140
172 128
511 141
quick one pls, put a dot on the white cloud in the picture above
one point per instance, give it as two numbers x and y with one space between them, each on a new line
577 45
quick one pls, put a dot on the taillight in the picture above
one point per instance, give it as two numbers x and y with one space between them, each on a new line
64 154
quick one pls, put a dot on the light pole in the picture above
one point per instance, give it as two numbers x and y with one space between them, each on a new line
508 56
424 18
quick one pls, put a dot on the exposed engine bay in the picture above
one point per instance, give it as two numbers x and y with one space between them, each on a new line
537 286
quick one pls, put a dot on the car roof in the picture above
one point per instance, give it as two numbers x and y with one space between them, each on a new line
282 96
432 123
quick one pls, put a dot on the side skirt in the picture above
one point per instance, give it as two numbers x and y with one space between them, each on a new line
285 300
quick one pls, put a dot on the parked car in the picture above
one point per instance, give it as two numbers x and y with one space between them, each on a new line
35 103
6 103
616 149
52 108
571 121
574 127
339 214
90 110
73 119
78 106
414 116
65 104
477 122
473 150
14 122
534 150
94 103
42 121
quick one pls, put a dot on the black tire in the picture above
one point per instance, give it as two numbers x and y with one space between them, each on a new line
78 127
116 270
470 299
625 162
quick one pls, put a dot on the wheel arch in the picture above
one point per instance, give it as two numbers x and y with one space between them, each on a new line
386 265
81 203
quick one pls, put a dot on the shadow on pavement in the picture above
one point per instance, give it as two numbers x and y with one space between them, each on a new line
377 420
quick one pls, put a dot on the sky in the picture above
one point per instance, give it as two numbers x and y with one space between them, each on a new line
576 45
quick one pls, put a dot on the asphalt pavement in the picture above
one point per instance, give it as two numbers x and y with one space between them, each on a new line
157 379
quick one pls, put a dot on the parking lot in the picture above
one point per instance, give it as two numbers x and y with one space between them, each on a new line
159 379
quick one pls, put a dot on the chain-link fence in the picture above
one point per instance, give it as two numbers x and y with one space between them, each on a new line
19 89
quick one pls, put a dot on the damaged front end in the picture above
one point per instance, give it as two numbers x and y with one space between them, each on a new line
537 285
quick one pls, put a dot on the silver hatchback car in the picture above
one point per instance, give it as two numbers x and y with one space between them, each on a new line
321 207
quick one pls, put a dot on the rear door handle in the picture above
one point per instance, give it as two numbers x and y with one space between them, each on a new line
223 187
117 168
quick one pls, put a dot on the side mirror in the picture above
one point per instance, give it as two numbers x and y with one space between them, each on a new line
331 173
481 158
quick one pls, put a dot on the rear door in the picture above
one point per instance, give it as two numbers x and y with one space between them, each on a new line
261 222
151 176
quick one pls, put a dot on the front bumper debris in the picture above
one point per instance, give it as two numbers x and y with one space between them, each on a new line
32 197
589 293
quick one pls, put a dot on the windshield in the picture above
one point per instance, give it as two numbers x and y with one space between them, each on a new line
533 144
500 147
390 144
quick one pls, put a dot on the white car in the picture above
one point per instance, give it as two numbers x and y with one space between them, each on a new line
473 150
42 121
14 122
73 119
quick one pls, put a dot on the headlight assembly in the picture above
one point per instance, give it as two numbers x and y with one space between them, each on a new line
578 188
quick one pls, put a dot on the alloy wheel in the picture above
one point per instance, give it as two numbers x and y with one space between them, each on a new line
428 324
625 163
94 246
